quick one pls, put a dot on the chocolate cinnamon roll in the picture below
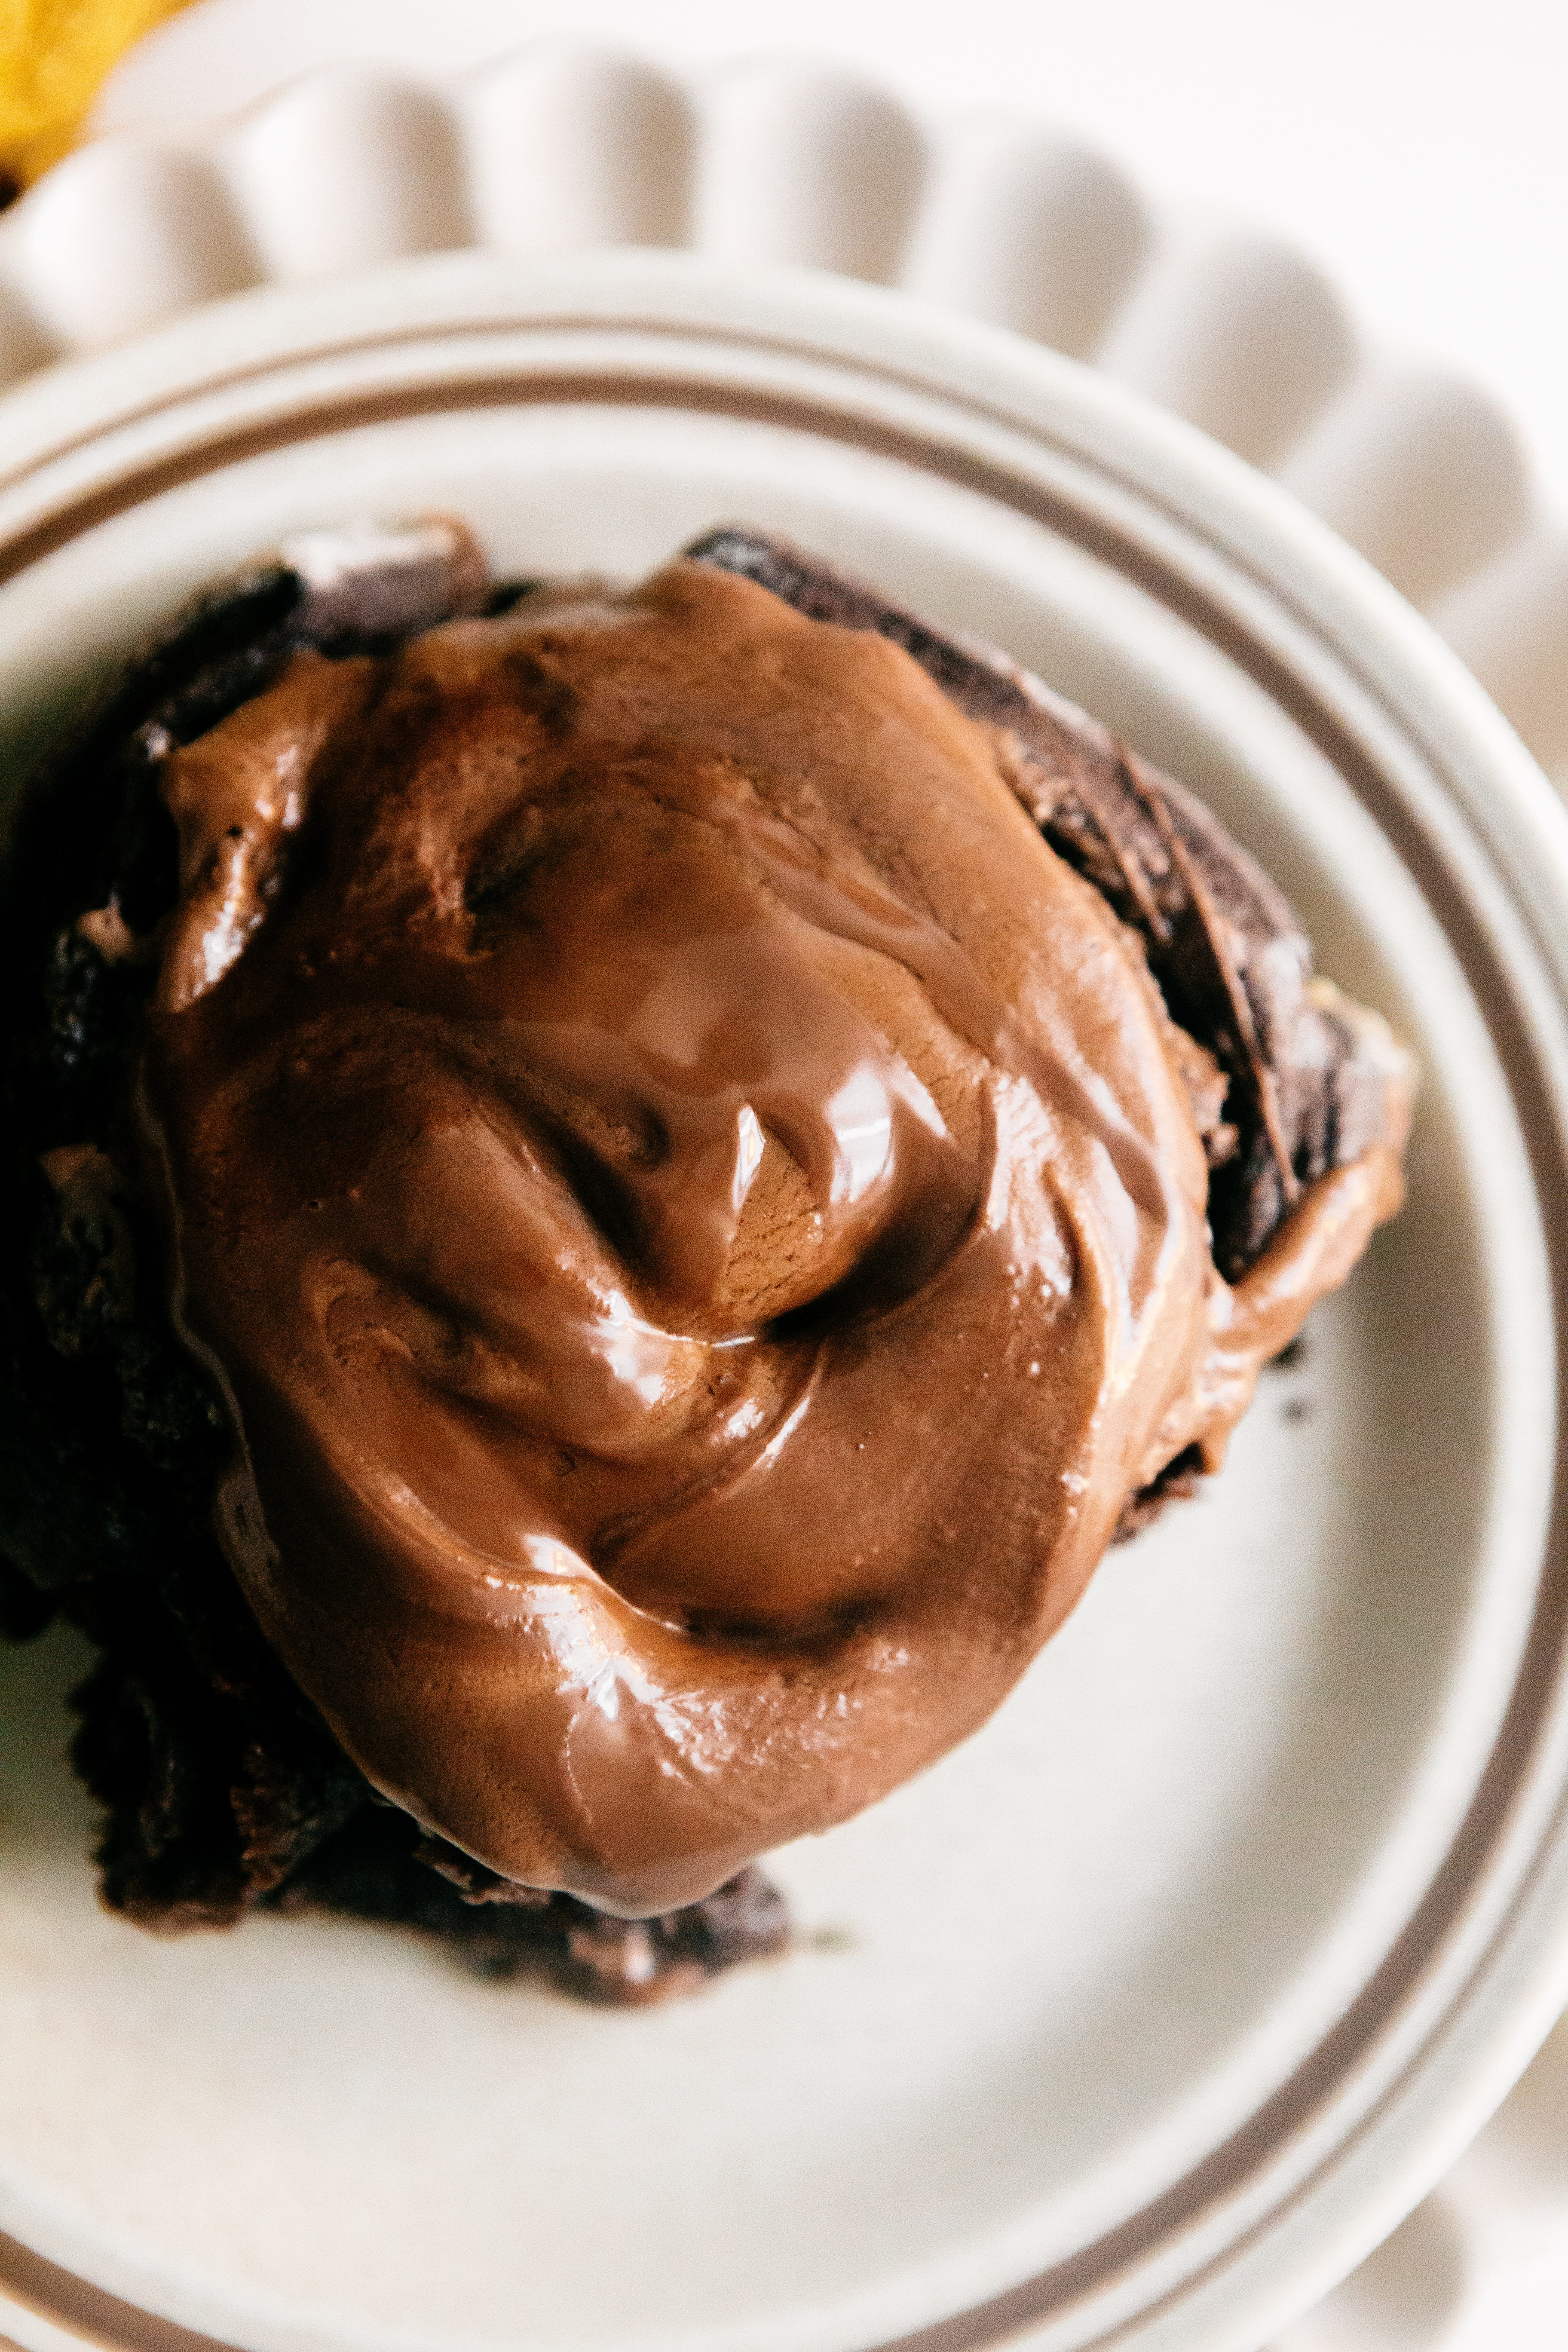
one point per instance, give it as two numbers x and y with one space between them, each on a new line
622 1193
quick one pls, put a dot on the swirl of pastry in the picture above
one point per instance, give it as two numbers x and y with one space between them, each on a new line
693 1211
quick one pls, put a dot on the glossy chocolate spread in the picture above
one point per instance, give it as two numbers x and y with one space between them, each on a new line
696 1212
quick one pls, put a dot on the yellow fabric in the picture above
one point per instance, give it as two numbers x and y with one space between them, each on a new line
53 56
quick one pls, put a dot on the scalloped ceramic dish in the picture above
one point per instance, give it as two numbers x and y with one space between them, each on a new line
1267 1848
565 145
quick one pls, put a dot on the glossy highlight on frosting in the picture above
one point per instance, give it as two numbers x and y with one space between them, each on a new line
694 1211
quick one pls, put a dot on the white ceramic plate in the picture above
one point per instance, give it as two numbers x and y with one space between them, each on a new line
1141 2017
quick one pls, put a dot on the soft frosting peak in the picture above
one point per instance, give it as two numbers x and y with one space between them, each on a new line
695 1212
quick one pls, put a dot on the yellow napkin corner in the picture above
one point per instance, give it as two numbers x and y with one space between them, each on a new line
53 56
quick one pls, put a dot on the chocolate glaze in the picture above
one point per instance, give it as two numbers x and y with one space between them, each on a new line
1308 1073
697 1211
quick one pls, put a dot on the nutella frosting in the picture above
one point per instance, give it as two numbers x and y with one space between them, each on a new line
697 1213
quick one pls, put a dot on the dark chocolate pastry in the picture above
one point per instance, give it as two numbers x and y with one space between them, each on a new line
224 1791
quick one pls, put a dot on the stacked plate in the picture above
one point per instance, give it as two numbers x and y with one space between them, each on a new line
563 148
